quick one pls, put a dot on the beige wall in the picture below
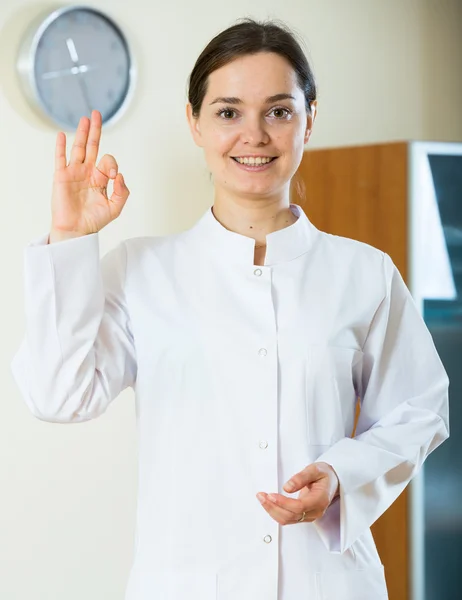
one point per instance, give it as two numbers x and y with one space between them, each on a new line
386 70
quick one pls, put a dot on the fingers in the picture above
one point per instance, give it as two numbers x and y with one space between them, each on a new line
94 136
291 505
281 515
60 151
294 505
309 474
119 195
311 500
80 141
287 511
108 166
87 137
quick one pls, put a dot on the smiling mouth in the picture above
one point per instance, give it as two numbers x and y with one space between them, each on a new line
253 163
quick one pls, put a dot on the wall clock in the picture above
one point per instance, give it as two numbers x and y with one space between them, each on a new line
75 59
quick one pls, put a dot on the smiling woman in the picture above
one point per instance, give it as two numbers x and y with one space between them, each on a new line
253 141
247 339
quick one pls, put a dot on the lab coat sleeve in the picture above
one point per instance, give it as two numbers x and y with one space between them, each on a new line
78 351
404 417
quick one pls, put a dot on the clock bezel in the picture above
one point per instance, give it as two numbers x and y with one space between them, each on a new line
26 63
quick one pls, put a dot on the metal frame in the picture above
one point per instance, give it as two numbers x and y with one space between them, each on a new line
418 152
26 59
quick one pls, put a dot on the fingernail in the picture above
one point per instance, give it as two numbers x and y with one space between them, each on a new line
112 173
272 497
261 497
290 485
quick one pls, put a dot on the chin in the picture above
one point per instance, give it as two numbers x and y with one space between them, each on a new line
256 191
244 186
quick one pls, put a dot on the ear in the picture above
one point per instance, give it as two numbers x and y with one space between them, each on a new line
194 125
310 120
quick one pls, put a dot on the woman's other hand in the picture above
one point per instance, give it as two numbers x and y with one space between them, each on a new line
318 484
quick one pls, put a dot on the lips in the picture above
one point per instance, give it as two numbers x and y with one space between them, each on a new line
236 158
254 167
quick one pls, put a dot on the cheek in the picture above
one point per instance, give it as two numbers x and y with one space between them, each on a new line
287 138
220 140
226 140
294 144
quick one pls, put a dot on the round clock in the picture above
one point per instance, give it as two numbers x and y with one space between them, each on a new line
74 60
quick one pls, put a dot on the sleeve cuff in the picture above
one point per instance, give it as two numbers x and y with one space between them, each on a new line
41 240
329 526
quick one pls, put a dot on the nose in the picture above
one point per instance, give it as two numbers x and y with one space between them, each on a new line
254 133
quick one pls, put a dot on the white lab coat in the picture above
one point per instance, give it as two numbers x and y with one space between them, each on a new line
243 375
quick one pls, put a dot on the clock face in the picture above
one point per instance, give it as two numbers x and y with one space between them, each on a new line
81 62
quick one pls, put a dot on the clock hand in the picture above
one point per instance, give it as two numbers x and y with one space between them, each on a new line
75 59
72 50
71 71
84 89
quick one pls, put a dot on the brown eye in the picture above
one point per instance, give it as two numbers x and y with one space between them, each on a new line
283 112
226 113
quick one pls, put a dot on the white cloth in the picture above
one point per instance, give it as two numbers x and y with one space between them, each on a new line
243 375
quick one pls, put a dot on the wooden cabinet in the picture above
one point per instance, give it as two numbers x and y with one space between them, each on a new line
376 194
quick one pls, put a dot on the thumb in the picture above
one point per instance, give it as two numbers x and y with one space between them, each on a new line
120 193
302 478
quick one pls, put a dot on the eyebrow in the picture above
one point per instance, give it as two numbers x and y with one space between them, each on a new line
234 100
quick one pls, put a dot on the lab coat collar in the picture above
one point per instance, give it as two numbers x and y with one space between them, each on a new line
281 246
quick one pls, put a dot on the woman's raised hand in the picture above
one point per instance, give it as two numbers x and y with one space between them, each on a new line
80 204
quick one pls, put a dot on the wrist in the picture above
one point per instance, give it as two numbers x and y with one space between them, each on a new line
336 483
56 235
333 478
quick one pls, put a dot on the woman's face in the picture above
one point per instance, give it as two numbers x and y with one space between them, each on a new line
253 110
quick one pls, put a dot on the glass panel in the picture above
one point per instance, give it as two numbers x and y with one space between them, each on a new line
443 469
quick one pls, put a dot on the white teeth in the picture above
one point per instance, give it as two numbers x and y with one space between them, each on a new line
254 161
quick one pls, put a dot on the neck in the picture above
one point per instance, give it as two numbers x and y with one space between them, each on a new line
254 218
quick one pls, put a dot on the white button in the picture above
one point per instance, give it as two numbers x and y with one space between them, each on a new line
257 272
267 539
263 444
262 352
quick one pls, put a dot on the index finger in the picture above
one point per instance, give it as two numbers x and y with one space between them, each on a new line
60 151
91 152
294 505
310 502
80 140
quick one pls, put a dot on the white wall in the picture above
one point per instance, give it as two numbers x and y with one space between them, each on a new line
386 70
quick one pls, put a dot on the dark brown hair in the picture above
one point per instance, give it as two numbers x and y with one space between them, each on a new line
244 38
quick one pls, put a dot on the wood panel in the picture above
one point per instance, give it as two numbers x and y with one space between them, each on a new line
361 192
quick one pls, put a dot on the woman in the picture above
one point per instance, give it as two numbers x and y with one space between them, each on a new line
247 340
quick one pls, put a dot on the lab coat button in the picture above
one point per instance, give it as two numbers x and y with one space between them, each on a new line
257 272
263 444
267 539
262 352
